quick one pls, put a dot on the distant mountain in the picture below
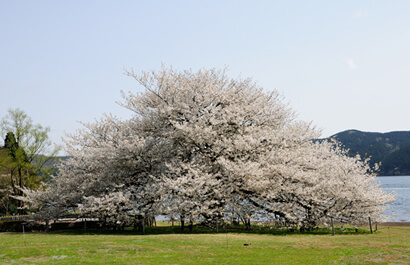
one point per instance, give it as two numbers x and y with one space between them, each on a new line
391 149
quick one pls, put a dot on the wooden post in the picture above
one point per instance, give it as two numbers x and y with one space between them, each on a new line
370 224
333 226
24 235
182 220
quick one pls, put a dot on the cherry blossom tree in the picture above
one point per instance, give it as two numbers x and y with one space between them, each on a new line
200 146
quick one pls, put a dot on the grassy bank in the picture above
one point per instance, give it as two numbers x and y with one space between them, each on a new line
389 245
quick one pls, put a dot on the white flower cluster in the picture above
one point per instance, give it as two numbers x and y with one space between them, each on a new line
203 146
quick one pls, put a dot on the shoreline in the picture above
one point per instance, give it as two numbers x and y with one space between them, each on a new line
394 224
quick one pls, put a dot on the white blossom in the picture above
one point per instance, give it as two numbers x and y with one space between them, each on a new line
202 145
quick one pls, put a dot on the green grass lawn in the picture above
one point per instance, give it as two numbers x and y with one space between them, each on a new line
162 245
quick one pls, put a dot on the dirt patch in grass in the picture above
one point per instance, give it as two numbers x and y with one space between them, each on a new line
37 259
305 244
194 247
116 245
112 246
390 257
203 247
27 247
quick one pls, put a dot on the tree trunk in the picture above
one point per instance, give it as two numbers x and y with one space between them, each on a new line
191 225
20 193
182 224
370 224
333 226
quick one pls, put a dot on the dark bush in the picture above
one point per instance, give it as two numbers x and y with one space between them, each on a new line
73 225
11 226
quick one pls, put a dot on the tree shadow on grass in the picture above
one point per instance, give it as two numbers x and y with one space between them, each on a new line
198 229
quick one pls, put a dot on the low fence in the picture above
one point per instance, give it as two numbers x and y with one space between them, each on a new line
22 223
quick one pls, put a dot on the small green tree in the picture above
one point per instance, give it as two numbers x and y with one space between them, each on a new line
27 149
11 144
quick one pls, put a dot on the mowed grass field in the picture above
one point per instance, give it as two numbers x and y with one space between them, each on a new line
386 246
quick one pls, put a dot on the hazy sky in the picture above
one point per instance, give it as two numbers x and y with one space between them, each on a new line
340 64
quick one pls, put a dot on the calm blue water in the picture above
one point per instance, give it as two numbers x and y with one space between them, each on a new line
401 206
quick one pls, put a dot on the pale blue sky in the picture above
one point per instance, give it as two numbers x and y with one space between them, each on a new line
340 64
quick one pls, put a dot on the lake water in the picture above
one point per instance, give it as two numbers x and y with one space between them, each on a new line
400 208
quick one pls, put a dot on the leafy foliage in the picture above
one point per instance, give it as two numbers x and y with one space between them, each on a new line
23 156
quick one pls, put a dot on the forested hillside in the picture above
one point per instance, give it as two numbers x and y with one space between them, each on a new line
391 149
